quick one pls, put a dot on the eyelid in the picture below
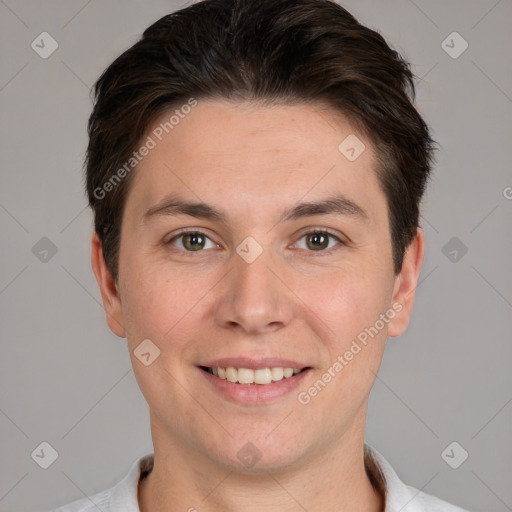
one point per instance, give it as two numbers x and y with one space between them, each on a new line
184 231
319 229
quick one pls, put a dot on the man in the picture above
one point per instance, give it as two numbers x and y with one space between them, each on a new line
255 169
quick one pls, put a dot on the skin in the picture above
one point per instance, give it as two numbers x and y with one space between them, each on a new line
293 301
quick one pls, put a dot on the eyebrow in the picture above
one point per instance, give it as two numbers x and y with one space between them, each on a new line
339 205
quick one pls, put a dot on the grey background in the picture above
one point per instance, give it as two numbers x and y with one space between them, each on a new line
67 380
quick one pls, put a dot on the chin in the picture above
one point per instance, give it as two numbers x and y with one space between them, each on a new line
255 455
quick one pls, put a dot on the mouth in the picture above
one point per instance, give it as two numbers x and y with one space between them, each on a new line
253 376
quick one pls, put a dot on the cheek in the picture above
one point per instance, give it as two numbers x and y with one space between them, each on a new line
158 304
163 309
351 305
348 299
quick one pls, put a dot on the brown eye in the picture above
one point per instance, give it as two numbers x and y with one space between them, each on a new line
192 241
318 241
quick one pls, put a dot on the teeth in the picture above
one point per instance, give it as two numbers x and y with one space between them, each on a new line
277 373
249 376
245 376
262 376
231 374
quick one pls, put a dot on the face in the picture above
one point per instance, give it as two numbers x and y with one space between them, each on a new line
252 246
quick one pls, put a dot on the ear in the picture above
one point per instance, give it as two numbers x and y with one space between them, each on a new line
108 287
405 285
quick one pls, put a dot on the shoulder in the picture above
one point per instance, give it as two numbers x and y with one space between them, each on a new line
428 503
84 505
123 496
98 501
399 496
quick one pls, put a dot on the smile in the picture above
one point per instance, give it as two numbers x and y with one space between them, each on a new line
261 376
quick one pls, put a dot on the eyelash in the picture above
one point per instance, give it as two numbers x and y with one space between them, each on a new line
315 231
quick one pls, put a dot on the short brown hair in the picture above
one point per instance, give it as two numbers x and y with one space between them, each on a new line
259 50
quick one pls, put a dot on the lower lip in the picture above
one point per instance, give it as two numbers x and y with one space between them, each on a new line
255 393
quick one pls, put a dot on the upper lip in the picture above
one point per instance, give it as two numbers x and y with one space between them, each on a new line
254 364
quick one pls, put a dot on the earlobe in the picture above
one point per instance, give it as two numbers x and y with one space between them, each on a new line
405 285
108 288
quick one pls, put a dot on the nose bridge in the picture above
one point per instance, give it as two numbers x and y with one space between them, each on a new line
253 297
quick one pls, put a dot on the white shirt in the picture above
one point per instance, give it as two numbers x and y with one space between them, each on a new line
123 496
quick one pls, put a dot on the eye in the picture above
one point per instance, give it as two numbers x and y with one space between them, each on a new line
318 241
195 241
192 241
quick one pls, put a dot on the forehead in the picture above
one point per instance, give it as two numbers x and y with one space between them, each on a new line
254 155
214 126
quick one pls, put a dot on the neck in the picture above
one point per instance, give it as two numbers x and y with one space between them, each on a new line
334 480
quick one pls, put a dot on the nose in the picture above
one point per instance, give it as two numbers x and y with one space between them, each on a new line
253 297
